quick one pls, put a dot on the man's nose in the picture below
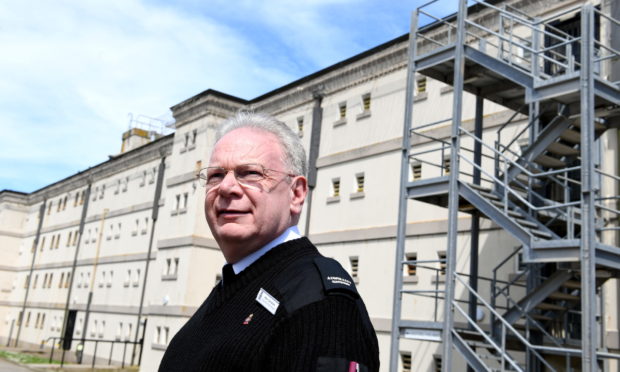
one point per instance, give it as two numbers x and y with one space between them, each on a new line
230 184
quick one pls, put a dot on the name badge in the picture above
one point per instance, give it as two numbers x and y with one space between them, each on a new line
268 301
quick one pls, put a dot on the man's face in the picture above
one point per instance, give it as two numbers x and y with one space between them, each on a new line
244 218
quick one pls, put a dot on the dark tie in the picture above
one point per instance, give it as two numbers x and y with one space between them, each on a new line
228 274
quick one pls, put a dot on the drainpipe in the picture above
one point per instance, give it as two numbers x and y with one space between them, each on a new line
92 279
155 213
315 139
75 256
34 255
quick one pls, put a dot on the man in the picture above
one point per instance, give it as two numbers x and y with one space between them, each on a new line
280 306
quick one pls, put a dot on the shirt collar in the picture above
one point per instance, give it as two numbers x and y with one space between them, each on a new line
288 234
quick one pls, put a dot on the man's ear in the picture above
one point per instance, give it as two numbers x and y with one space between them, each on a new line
299 190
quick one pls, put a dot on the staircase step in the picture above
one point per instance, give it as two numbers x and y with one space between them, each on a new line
597 126
561 149
540 233
572 284
548 306
479 187
549 162
571 136
514 214
488 195
564 296
525 223
541 317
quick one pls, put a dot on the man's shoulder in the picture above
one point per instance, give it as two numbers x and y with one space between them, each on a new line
312 278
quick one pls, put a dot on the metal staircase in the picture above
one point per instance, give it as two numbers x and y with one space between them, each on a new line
543 185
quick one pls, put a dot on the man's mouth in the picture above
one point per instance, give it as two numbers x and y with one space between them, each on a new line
230 212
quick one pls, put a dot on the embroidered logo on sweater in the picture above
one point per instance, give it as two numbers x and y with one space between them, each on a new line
268 301
248 319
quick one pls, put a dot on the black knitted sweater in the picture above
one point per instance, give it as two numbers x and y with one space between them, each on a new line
232 331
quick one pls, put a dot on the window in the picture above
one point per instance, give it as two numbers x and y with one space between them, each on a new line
152 179
62 280
110 232
165 335
442 262
82 196
44 281
36 322
101 328
102 281
445 168
110 276
68 280
36 279
127 278
93 330
437 362
49 208
336 187
102 194
94 239
57 241
69 238
359 178
125 184
157 335
51 278
95 193
27 319
87 283
128 333
194 135
134 232
77 199
366 102
75 238
19 318
300 126
410 267
405 358
118 187
342 110
146 225
59 208
421 86
143 180
42 321
42 243
136 281
64 202
119 331
183 208
354 266
118 231
416 170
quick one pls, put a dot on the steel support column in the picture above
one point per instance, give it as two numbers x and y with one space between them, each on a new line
453 201
403 197
588 234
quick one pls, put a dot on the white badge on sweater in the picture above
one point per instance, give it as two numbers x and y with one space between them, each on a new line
268 301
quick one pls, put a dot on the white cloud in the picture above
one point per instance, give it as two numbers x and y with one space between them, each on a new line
73 70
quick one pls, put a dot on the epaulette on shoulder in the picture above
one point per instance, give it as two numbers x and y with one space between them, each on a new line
310 280
334 277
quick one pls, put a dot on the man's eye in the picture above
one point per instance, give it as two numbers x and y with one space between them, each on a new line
215 176
249 173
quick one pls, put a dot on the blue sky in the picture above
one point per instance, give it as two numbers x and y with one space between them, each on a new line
73 71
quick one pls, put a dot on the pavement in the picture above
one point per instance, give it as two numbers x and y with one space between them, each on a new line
6 366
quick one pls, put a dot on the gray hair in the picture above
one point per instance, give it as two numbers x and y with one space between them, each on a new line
294 153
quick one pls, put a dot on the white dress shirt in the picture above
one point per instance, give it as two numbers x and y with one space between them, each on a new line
288 234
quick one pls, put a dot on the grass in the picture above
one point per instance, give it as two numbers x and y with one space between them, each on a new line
24 358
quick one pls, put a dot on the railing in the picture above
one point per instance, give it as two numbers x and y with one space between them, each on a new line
533 45
508 330
57 341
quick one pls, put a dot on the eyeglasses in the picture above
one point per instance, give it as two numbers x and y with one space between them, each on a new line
245 174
